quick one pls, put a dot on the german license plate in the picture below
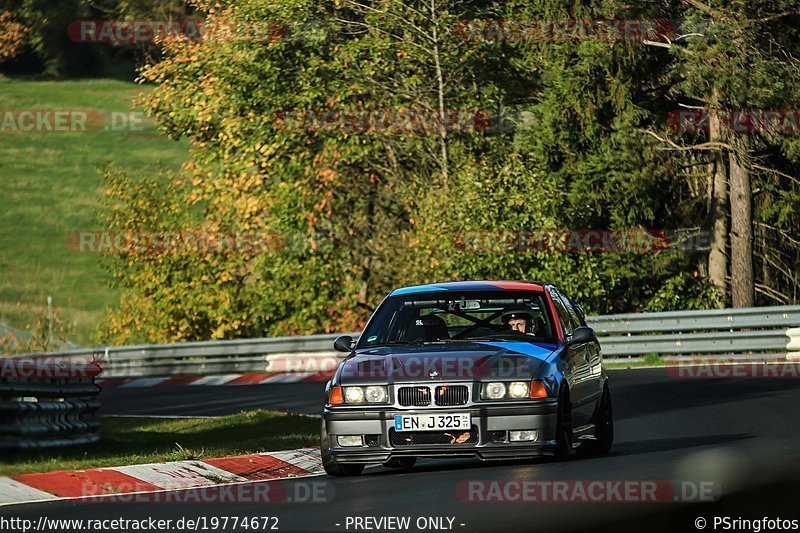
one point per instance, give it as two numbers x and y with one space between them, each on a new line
433 422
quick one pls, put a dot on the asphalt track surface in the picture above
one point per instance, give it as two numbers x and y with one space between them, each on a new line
207 400
738 435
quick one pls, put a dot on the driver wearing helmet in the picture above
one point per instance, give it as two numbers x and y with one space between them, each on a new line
517 318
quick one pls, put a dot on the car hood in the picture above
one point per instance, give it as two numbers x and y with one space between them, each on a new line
480 360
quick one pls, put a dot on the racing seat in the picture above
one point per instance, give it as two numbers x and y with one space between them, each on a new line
539 328
426 328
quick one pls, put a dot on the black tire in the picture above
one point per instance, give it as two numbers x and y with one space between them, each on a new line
403 463
604 428
331 467
563 447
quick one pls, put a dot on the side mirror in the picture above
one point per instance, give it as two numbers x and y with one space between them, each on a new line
581 335
343 343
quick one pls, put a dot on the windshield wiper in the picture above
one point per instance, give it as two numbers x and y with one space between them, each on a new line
377 345
415 342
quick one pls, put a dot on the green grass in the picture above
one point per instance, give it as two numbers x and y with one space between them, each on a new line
50 188
650 359
127 441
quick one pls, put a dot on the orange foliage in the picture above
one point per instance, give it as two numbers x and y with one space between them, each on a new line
13 36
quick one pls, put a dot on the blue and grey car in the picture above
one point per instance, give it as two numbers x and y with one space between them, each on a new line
488 369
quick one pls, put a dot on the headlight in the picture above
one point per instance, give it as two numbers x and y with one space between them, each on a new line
376 394
494 391
518 389
354 394
515 390
371 394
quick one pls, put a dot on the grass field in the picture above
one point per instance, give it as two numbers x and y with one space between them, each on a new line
128 441
51 187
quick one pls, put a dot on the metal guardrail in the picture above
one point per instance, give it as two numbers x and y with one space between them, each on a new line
771 332
747 332
45 404
310 353
683 321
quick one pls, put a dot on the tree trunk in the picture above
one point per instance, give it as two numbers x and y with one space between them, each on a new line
742 288
718 217
440 94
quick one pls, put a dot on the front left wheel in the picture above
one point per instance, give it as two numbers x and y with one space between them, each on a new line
604 428
563 446
331 467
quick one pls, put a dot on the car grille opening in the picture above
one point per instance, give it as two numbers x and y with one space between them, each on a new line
372 440
452 395
417 396
427 438
497 436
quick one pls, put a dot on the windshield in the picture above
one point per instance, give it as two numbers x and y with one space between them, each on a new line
456 316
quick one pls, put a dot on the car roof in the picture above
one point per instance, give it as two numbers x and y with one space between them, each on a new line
471 286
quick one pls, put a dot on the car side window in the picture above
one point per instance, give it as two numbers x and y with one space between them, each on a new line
581 313
563 314
573 313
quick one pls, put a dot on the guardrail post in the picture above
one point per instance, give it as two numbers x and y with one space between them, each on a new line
793 346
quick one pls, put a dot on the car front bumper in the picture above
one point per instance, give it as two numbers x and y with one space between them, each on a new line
490 421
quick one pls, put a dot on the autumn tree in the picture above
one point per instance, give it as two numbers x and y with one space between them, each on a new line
735 61
13 36
275 154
